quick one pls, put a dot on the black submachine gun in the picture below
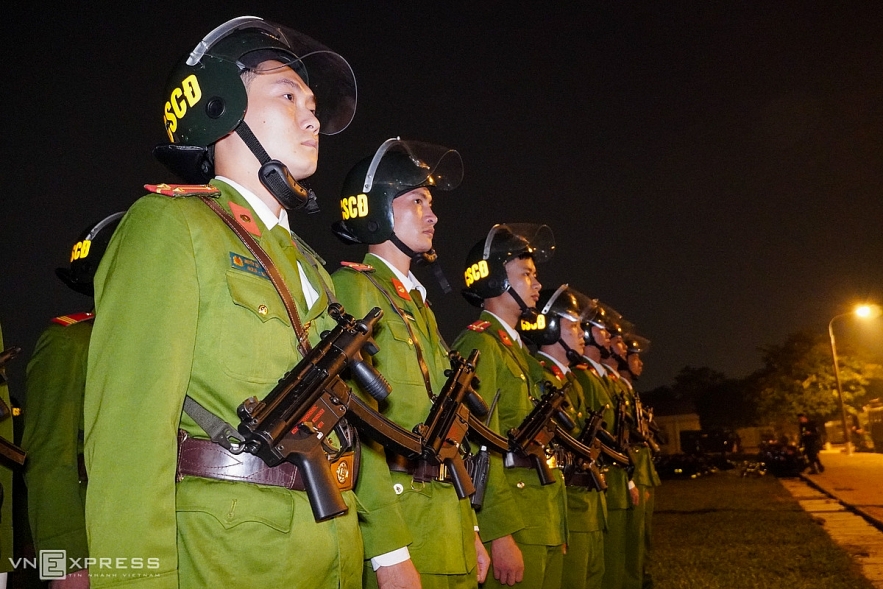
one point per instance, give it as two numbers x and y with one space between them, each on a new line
312 400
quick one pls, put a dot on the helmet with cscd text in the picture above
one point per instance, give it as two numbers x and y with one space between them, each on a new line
563 303
397 168
206 98
485 273
86 254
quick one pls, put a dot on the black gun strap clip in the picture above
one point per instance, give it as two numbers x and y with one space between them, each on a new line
218 430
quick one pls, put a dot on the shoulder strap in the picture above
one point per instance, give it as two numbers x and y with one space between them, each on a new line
303 344
420 360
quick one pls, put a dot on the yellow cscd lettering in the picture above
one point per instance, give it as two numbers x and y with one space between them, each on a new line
353 207
476 272
538 325
81 250
181 98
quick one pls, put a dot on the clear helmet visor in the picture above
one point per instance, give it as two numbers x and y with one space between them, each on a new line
248 41
515 239
570 304
636 344
411 164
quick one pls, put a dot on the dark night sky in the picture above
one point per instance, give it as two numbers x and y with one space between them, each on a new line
713 171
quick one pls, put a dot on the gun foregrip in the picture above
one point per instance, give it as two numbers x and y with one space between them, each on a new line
371 381
325 498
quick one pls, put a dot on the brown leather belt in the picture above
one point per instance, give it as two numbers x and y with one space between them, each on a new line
579 479
516 460
422 470
204 458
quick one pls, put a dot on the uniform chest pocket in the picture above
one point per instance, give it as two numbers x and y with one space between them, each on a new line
257 343
397 360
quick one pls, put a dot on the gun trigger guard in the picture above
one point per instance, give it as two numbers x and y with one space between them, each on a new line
422 486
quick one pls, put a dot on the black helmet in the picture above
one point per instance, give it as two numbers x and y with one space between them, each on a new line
372 184
602 317
554 305
87 253
206 97
485 272
635 344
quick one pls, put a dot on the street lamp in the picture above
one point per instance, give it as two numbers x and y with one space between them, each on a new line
865 312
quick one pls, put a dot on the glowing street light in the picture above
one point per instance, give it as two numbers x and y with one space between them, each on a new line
865 312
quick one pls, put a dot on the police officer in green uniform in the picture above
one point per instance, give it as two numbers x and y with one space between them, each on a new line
646 477
601 393
53 427
558 335
522 522
630 521
386 203
184 313
6 432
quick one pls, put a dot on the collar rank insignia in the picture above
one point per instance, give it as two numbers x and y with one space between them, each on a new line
582 366
504 337
557 372
400 289
479 326
245 218
594 371
358 267
176 190
72 319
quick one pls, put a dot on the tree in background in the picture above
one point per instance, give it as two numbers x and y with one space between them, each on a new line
798 377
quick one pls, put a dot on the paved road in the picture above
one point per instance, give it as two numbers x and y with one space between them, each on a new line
856 480
848 499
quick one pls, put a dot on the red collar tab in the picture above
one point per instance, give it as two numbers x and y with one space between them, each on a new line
176 190
72 319
557 372
479 326
245 218
358 267
504 337
400 289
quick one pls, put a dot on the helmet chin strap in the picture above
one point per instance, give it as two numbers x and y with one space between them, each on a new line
605 352
276 178
429 258
621 363
527 313
573 357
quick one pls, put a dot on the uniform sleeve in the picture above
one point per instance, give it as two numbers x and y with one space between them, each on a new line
380 520
499 515
147 303
56 379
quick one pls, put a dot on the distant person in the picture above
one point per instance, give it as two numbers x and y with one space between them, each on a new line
811 440
53 427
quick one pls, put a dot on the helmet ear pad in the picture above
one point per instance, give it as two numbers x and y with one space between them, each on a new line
204 102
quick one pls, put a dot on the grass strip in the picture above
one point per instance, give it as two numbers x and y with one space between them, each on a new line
727 532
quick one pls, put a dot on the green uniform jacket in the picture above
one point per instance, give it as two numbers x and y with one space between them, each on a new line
6 482
645 472
53 438
516 499
440 524
183 309
586 509
617 478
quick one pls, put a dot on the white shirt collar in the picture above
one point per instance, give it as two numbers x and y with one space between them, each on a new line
602 370
269 219
514 335
409 282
